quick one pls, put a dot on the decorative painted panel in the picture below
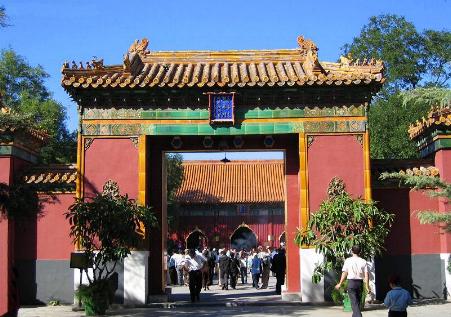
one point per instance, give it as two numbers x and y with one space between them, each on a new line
192 113
206 129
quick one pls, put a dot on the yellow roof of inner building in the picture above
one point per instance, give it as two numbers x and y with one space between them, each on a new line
213 182
142 68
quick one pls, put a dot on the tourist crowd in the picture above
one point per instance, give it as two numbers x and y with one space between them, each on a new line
200 268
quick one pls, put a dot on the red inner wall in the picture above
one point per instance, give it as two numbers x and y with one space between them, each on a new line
425 238
396 201
331 156
48 237
115 159
442 162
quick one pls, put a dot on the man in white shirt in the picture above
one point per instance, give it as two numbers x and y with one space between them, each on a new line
355 269
194 263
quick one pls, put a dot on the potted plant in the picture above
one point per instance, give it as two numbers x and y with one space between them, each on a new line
340 223
106 227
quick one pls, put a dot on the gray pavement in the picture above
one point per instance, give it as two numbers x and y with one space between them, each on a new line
432 310
244 301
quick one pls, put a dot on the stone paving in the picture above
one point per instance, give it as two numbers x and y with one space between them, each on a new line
244 301
433 310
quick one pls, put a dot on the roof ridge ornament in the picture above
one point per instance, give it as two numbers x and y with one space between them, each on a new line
310 51
139 47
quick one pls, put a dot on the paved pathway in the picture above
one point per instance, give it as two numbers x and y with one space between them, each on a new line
436 310
244 301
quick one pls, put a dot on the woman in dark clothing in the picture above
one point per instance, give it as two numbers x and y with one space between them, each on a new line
234 270
279 266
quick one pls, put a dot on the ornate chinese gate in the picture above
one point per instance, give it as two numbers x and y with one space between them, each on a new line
287 100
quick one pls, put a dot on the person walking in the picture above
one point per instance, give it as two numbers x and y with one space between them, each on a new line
234 270
278 267
193 264
224 267
355 269
243 267
266 268
397 299
256 269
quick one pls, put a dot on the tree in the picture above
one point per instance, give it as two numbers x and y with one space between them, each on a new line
23 90
174 174
3 17
412 59
340 223
106 227
390 118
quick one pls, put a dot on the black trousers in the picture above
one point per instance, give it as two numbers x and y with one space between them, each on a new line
355 288
280 280
392 313
195 284
243 273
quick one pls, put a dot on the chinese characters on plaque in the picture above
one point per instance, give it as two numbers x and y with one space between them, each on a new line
222 108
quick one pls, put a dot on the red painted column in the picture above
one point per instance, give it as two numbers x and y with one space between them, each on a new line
292 219
443 163
157 236
5 243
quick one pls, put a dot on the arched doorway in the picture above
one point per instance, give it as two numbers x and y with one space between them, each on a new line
196 240
243 238
282 238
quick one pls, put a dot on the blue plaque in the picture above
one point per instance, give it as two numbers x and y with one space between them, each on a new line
221 108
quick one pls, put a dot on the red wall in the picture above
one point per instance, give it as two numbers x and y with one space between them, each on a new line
292 217
407 235
48 237
262 226
115 159
330 156
443 163
425 238
5 242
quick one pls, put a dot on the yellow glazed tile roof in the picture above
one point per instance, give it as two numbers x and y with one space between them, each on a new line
142 68
234 182
438 116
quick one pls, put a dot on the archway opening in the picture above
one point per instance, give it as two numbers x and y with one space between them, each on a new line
282 238
196 240
243 238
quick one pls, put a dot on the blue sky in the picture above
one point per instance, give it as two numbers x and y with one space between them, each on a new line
48 32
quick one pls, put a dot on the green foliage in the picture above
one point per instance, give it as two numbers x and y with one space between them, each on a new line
390 117
3 17
19 202
388 124
435 188
23 90
410 57
340 223
338 295
95 297
174 174
106 228
421 98
394 40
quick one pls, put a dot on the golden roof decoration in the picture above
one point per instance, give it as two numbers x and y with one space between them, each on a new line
437 116
417 167
57 174
142 68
